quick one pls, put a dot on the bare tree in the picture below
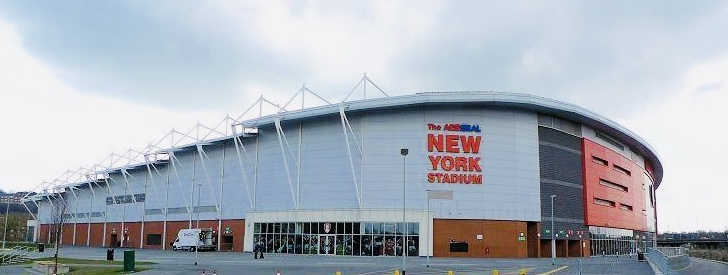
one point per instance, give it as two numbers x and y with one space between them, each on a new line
58 219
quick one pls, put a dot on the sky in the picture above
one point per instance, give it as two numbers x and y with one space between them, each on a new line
80 80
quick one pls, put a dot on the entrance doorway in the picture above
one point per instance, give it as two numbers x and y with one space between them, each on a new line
327 244
226 244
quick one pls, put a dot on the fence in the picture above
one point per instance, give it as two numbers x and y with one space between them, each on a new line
669 261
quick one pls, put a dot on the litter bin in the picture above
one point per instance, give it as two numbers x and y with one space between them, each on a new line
641 257
110 254
128 260
41 247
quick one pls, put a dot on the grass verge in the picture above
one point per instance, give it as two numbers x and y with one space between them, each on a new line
91 262
101 270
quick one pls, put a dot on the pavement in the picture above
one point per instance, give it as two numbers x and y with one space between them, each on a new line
183 263
705 267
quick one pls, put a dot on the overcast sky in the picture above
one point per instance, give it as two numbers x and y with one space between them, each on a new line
82 79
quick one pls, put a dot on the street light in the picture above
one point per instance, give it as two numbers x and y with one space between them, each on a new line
199 186
404 152
5 230
553 233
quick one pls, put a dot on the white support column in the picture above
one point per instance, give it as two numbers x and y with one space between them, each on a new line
281 137
298 162
344 123
255 175
90 213
106 209
144 212
192 190
75 220
203 156
237 140
166 209
124 230
222 189
173 159
50 202
163 206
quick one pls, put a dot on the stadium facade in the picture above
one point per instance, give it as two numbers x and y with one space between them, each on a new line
455 174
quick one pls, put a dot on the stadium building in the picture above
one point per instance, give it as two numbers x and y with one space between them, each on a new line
444 174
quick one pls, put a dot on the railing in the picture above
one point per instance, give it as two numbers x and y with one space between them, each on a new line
673 251
16 255
668 264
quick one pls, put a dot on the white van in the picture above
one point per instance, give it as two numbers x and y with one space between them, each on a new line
195 239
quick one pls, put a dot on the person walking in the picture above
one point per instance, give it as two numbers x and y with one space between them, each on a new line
259 248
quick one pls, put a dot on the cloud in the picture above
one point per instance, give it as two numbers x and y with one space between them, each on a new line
102 76
49 128
178 55
219 54
688 133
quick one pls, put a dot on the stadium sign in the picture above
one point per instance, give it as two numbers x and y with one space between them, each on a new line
454 150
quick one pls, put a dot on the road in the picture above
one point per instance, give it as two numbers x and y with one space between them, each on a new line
705 267
182 263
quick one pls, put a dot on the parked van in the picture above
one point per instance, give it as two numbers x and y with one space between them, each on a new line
195 239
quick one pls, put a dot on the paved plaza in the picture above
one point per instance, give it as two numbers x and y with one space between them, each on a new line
183 263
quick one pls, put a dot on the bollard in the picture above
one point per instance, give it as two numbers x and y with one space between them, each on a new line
214 272
523 272
450 272
203 272
495 272
278 272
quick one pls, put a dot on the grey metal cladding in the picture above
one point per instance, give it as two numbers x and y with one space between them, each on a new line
558 137
560 163
568 203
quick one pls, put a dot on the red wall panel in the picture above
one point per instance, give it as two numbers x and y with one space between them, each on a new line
81 233
606 216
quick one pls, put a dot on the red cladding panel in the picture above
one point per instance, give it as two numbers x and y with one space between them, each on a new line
606 216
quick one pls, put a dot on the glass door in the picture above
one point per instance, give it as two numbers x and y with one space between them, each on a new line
327 244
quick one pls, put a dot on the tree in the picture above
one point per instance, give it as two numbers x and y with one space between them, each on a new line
58 219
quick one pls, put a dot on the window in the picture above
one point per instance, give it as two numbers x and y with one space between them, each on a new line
599 161
177 210
604 202
204 209
622 170
625 207
154 239
156 211
613 185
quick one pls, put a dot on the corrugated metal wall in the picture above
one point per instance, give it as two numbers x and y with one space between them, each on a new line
561 175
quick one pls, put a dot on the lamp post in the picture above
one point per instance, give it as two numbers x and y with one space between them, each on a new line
199 186
5 230
553 233
404 152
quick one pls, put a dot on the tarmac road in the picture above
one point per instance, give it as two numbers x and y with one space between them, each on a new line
183 263
705 267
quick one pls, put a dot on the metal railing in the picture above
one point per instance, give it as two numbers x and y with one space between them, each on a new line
673 251
669 261
18 254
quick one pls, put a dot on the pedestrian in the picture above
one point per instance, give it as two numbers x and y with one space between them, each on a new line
261 246
256 247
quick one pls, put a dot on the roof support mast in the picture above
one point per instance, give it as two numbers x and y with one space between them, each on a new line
346 127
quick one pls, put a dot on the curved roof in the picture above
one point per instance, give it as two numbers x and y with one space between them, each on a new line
482 98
